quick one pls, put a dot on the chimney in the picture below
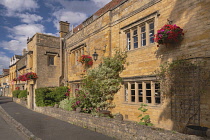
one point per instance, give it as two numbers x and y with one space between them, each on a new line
64 28
24 52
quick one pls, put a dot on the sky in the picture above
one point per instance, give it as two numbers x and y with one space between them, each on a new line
20 19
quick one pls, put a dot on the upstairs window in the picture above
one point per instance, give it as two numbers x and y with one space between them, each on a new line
140 35
151 32
51 60
128 40
135 38
143 36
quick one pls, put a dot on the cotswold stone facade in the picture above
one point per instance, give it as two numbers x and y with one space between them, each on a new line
134 22
43 58
130 25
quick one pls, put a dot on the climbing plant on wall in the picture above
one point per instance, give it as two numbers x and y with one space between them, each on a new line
183 82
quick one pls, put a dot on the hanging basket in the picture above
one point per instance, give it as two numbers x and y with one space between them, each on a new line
169 34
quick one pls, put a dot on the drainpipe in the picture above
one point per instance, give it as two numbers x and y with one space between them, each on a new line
66 65
61 61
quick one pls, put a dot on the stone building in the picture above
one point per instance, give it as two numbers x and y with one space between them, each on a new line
4 83
130 25
43 58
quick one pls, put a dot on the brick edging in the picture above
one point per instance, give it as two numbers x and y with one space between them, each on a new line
18 126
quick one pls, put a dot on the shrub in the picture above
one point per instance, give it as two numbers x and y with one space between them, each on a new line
100 84
41 99
60 93
49 96
22 94
15 93
66 104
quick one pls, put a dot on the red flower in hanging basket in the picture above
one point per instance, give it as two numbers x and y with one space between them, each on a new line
169 34
27 76
17 88
86 59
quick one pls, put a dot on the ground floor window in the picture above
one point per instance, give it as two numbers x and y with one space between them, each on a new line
142 92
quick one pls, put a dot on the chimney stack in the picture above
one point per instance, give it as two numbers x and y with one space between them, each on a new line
64 28
24 52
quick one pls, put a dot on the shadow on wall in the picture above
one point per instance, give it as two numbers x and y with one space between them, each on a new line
183 106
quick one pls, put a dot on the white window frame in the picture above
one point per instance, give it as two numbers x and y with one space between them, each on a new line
133 87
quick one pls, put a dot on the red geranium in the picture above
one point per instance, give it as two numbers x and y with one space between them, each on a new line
27 76
169 34
86 59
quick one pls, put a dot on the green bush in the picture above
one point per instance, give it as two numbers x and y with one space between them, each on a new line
15 93
59 93
66 104
101 84
22 94
41 99
50 96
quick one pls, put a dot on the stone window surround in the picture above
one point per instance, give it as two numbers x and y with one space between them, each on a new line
136 25
51 55
136 80
76 52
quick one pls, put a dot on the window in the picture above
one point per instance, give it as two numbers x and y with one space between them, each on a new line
75 55
135 38
142 92
128 41
142 35
151 32
51 60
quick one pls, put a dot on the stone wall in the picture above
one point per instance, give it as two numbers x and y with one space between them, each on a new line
21 102
123 130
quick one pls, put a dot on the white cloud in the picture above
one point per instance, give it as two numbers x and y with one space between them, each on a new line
29 18
19 35
4 61
71 17
19 5
101 3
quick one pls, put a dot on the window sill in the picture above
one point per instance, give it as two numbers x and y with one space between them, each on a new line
143 47
138 104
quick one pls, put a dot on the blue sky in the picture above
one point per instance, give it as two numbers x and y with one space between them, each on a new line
20 19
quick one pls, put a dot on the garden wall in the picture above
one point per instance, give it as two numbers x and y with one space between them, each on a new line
123 130
21 102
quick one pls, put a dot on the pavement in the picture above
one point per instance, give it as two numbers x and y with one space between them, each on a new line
44 127
7 132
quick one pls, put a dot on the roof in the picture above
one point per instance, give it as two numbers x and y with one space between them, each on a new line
5 70
108 7
101 11
18 56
